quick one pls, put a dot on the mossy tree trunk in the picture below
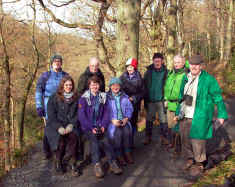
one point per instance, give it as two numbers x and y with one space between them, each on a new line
128 18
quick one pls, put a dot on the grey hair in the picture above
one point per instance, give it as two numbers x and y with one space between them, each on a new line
179 56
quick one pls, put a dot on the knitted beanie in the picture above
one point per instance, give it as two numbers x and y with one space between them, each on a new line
133 62
115 80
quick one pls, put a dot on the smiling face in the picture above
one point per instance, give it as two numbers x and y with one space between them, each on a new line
130 69
56 65
94 65
178 63
157 63
94 87
68 86
195 69
115 88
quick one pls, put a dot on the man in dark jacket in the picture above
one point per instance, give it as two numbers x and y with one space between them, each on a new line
154 80
92 69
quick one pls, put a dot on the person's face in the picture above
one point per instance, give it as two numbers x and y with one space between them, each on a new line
130 69
195 69
157 63
178 63
56 65
68 86
94 87
94 66
115 88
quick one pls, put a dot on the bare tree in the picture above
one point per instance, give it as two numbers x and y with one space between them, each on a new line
6 96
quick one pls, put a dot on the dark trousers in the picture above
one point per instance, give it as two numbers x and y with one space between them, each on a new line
67 146
134 117
98 144
46 146
122 139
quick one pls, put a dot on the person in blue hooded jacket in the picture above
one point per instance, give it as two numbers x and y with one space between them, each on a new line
120 129
47 85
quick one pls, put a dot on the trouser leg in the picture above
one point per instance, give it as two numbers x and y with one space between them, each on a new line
126 137
72 145
46 146
61 148
186 144
108 149
94 147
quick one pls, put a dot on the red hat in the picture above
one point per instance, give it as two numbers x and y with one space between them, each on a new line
133 62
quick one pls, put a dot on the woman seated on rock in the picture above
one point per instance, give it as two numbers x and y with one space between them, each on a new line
62 129
94 116
120 130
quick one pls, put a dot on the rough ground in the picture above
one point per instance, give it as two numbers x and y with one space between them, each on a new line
154 167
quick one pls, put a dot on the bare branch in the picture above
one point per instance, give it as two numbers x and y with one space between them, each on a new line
148 3
64 4
63 23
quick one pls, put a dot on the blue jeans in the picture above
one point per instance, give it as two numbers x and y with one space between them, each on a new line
96 144
122 139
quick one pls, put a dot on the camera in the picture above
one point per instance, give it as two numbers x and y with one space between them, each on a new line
99 133
188 100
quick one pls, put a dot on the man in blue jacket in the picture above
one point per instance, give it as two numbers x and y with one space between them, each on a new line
47 85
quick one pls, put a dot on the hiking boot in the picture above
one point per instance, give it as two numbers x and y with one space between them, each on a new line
75 171
147 140
121 161
115 168
164 141
196 169
129 158
98 170
59 167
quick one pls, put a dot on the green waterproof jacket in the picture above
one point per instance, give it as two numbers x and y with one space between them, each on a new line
208 95
172 88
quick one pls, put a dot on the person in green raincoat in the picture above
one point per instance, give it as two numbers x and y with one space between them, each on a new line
171 95
200 92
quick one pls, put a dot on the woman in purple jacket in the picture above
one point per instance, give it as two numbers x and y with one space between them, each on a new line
94 116
120 130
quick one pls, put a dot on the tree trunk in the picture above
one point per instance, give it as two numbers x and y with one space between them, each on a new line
227 46
171 22
102 52
180 26
6 101
128 17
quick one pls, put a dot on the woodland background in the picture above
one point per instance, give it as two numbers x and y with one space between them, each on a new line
113 30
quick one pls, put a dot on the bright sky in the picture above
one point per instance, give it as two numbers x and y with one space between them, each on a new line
22 11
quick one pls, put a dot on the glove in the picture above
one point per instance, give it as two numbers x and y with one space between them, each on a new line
61 131
69 128
41 112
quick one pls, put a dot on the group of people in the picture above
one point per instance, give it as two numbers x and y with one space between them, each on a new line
184 99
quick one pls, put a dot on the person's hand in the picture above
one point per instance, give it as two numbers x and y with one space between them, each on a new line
165 104
221 121
131 99
176 118
94 130
40 112
116 122
69 128
124 121
102 129
62 131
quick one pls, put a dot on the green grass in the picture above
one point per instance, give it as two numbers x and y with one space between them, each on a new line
217 175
